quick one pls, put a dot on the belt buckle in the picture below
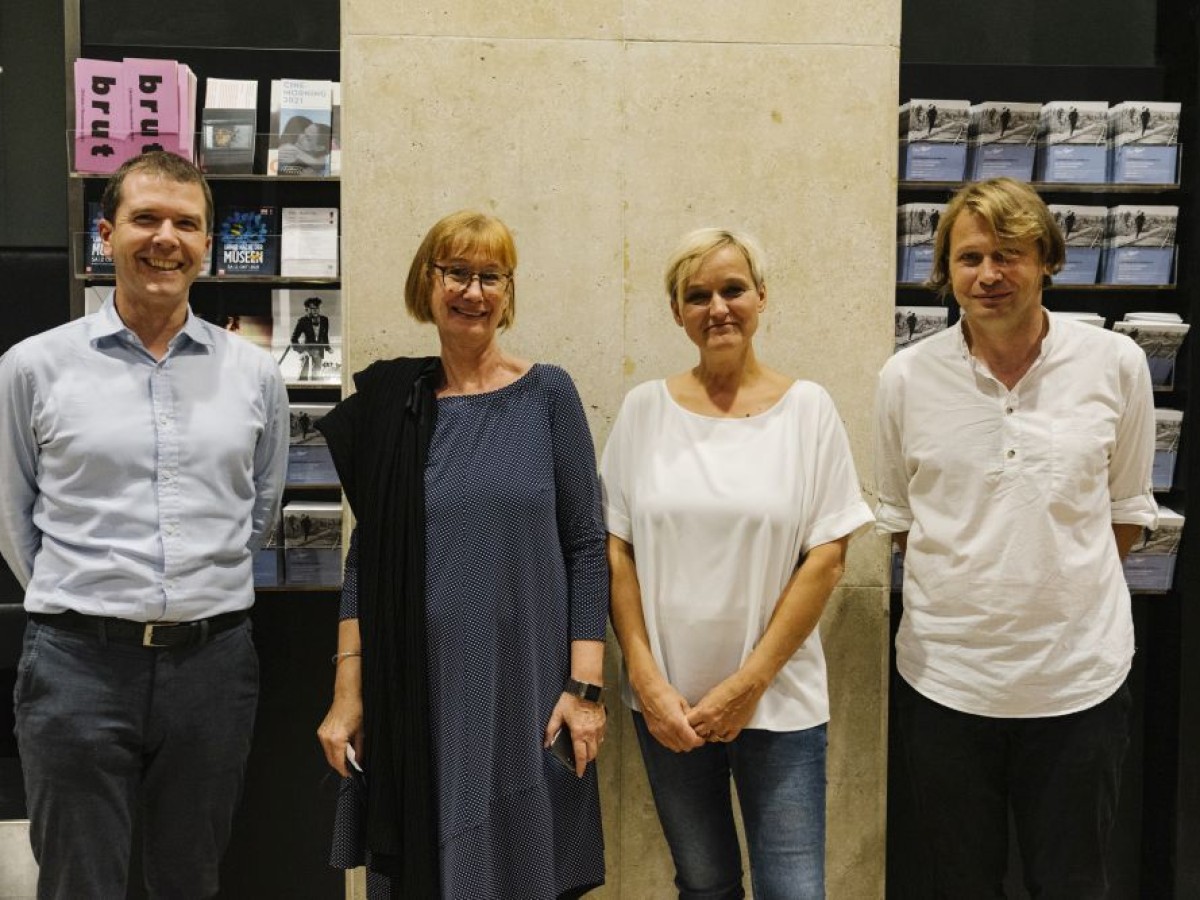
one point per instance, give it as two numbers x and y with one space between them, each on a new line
148 635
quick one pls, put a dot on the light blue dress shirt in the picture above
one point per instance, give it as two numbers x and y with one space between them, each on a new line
136 487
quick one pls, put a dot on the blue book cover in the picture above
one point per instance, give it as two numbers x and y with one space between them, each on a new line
1003 139
916 226
933 140
1168 423
247 241
1083 229
309 459
312 542
1140 246
1145 138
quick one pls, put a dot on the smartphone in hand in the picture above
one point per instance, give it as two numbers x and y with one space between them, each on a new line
563 748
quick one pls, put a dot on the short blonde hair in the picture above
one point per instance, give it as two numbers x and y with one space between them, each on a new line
464 233
1014 212
698 244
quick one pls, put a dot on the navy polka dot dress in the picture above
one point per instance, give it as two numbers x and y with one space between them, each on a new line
515 571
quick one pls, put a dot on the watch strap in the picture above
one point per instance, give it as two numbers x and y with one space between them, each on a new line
584 690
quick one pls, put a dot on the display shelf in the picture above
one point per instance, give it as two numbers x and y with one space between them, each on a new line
1048 187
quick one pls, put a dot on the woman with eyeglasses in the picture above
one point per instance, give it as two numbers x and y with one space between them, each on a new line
730 497
474 604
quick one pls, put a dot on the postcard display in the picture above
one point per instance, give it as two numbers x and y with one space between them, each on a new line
270 150
1079 153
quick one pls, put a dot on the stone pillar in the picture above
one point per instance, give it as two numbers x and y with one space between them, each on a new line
601 131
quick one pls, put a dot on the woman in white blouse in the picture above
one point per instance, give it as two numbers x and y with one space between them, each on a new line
730 497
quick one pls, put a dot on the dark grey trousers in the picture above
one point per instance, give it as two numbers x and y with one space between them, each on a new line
110 732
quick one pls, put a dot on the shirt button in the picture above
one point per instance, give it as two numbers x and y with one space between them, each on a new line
1011 454
1008 410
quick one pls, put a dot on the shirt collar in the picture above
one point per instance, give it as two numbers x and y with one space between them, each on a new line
1049 340
107 323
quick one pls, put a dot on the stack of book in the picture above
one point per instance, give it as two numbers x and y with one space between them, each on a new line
933 140
309 460
306 335
1084 229
916 227
302 127
312 544
1145 142
1003 140
1168 423
1140 245
1160 335
1074 142
1150 565
127 107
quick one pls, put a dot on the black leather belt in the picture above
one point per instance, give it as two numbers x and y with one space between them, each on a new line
143 634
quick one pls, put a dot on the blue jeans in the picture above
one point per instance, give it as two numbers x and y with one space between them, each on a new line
108 732
780 777
1059 775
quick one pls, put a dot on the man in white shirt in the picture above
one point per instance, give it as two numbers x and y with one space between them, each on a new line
1013 459
142 454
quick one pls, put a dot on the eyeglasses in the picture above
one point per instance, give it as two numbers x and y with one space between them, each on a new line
459 278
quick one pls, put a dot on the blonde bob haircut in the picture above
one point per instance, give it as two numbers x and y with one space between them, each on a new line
697 245
461 234
1014 212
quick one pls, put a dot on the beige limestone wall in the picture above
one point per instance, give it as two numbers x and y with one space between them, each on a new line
601 131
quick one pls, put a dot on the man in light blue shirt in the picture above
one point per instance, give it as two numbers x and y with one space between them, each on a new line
142 456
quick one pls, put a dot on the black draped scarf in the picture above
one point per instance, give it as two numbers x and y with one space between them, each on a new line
379 439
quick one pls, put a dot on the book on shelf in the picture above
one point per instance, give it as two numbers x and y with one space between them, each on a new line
1150 565
309 242
268 559
1168 424
123 108
246 241
228 126
161 96
101 141
1083 229
309 459
1145 142
301 127
1140 245
916 226
335 138
306 335
96 260
1087 318
915 323
1073 136
933 139
1003 140
312 543
250 327
1160 335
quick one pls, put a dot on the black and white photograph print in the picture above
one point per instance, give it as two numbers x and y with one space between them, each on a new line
312 526
1075 122
1142 226
1007 123
304 419
306 338
915 323
1145 122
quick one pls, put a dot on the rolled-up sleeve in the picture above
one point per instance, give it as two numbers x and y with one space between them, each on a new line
892 511
1130 481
